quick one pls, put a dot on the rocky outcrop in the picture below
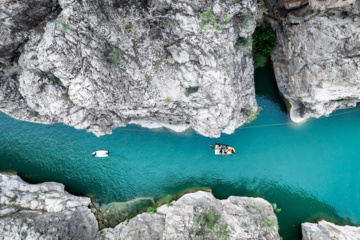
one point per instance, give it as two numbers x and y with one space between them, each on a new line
328 231
317 59
46 211
236 218
43 211
98 65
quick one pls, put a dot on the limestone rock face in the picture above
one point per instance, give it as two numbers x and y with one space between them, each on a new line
317 59
43 211
97 65
328 231
242 217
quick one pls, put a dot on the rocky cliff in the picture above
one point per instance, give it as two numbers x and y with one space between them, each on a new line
317 59
101 64
43 211
328 231
46 211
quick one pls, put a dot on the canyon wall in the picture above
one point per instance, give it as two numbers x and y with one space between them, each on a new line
317 57
98 65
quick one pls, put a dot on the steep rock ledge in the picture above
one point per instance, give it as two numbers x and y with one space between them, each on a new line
99 65
328 231
317 59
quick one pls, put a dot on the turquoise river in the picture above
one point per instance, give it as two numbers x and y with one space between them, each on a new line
311 170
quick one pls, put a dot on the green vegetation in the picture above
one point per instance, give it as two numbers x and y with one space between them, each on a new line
191 90
226 18
33 113
340 100
269 223
209 19
210 229
55 81
168 198
149 79
226 66
164 22
252 116
264 40
14 76
62 25
151 209
244 44
128 219
84 227
66 97
249 15
167 100
276 209
114 58
259 60
13 199
157 64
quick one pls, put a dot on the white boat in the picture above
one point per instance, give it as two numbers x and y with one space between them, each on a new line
100 153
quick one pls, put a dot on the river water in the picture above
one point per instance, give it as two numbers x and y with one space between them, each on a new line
311 170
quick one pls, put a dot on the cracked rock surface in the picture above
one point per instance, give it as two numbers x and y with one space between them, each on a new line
317 59
98 65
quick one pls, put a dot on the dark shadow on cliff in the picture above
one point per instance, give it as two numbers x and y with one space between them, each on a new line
266 86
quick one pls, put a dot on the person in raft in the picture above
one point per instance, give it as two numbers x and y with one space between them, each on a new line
94 154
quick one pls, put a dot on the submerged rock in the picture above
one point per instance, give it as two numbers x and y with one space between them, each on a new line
328 231
43 211
233 218
98 65
317 61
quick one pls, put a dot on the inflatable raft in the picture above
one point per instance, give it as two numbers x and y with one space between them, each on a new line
221 149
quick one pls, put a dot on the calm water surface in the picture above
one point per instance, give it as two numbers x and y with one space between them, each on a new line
311 170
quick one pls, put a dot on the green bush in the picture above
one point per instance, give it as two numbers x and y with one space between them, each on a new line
114 58
264 40
13 199
259 60
191 90
209 19
151 209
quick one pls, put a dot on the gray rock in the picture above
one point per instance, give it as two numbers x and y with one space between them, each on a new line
242 217
100 65
43 211
317 61
324 230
